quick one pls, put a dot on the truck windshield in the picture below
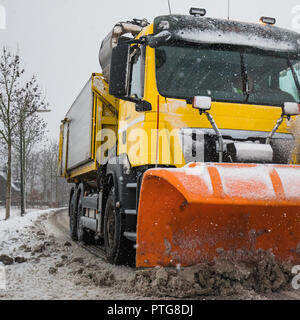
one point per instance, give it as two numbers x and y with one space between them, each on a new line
227 74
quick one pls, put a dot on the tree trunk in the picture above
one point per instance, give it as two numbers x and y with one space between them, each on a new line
8 181
21 172
24 173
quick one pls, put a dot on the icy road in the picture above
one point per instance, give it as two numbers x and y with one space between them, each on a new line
41 262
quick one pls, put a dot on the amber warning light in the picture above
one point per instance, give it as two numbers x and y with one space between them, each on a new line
197 12
267 20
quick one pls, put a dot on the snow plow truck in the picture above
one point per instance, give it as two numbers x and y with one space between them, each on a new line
182 145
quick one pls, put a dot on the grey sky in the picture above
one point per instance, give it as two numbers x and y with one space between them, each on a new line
59 40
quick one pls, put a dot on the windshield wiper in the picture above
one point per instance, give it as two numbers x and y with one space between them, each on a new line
245 79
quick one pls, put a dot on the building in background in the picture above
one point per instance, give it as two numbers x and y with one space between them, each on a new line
15 190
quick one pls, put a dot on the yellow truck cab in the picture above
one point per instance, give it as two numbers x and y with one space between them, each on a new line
184 89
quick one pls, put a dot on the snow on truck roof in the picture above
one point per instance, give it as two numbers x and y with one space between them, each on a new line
219 31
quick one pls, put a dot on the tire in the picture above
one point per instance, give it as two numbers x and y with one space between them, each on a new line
82 234
73 218
119 250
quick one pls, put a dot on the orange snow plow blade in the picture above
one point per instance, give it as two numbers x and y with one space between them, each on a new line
186 214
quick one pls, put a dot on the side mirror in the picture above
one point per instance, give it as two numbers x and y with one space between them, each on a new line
202 103
291 109
142 106
158 39
119 70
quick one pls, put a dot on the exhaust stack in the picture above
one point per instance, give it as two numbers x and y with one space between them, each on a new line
115 37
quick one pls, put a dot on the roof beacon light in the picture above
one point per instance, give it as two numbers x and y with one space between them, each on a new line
197 12
267 20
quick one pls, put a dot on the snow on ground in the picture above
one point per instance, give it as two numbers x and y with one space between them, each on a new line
10 227
41 262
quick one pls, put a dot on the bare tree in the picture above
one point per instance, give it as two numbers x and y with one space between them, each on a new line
55 190
33 171
10 73
31 128
49 169
17 104
3 155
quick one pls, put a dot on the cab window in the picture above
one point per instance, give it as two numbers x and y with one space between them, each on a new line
137 73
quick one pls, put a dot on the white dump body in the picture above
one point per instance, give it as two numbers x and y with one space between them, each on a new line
80 121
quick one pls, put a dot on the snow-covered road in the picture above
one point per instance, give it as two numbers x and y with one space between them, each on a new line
48 265
43 263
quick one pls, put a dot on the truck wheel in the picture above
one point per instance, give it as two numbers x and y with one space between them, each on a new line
119 250
73 218
82 234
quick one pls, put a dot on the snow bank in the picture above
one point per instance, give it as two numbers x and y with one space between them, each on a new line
240 273
16 222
